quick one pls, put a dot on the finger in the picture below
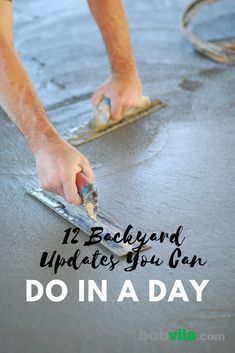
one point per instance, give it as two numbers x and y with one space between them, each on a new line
98 96
116 109
55 188
59 190
87 170
70 191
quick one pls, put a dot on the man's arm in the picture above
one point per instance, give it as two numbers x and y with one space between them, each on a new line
57 162
123 87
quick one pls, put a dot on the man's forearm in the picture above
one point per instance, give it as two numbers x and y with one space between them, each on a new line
111 19
19 99
57 162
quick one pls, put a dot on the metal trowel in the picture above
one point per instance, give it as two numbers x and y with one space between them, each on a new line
102 123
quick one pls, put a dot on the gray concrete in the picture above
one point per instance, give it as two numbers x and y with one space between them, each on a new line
185 150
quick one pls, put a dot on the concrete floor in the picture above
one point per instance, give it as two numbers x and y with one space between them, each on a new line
186 151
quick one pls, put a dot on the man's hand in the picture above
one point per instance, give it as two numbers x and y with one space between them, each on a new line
124 91
57 165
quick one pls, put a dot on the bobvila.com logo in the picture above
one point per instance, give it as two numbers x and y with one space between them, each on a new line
181 334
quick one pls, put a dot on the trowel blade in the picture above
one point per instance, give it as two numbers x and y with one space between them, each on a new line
78 217
78 137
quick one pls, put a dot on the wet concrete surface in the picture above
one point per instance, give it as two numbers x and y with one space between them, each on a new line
178 168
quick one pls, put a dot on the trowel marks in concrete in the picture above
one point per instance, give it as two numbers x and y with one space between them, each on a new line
212 72
189 85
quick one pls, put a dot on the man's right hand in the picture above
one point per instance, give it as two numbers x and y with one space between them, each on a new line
57 161
57 165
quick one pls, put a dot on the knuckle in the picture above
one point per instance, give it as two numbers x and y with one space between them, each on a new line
70 199
73 200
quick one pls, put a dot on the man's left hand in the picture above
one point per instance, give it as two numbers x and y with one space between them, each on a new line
124 91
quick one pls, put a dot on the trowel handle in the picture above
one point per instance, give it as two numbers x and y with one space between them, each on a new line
81 182
103 111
